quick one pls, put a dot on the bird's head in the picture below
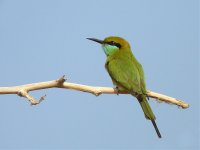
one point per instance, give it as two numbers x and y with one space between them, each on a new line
112 44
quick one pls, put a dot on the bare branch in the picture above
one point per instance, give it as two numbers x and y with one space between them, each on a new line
23 91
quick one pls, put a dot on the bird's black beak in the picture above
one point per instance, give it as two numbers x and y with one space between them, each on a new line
96 40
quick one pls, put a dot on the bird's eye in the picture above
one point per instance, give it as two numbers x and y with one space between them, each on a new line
112 42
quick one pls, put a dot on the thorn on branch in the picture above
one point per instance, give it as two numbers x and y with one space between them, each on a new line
42 98
97 92
61 80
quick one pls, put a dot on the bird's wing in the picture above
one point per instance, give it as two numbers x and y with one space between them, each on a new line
125 74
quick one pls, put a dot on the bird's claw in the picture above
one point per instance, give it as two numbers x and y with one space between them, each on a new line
147 96
117 90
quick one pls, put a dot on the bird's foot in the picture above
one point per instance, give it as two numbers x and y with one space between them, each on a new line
147 96
117 90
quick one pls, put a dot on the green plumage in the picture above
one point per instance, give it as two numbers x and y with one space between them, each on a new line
126 72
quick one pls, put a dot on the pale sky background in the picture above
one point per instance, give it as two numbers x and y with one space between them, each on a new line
42 40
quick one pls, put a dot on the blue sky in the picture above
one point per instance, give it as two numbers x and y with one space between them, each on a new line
43 40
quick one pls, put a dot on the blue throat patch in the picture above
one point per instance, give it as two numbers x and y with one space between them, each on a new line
109 49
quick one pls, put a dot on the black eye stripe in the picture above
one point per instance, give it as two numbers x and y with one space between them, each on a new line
114 43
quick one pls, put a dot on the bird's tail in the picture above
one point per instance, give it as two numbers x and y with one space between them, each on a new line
148 112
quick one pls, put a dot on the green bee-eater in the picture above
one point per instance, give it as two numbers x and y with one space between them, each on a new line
126 72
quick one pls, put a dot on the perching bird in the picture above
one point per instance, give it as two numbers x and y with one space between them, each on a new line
126 72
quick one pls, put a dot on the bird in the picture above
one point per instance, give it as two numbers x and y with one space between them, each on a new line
126 72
